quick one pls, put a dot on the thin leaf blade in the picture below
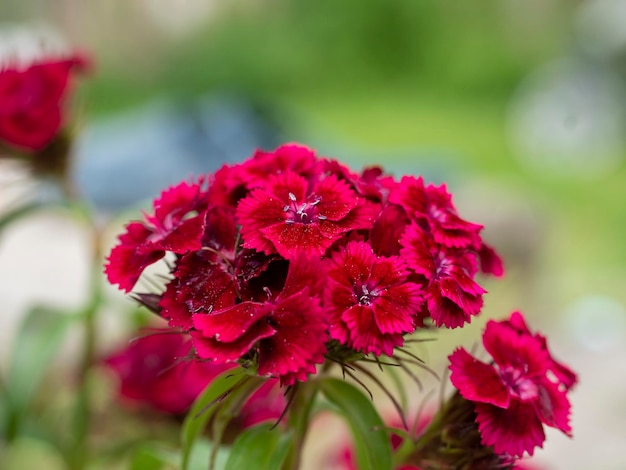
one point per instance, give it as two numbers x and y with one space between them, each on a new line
371 441
40 336
201 411
259 448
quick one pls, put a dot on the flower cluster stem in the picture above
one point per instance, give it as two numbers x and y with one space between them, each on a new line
298 421
79 454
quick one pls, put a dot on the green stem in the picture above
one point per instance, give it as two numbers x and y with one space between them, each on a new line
298 421
80 449
411 448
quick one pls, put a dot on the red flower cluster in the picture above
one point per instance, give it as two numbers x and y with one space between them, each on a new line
31 100
277 256
156 371
522 389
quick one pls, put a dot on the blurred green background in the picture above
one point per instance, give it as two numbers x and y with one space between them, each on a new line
518 106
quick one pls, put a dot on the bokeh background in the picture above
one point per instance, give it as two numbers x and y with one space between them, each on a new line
518 106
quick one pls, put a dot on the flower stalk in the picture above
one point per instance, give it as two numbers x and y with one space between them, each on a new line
298 421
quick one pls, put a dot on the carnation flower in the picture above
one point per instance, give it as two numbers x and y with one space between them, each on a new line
31 100
432 207
176 226
288 157
450 292
515 395
159 371
286 335
286 262
370 301
564 374
288 216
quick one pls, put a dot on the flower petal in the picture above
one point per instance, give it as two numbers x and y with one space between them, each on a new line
553 407
210 348
231 323
513 430
508 348
300 338
365 335
477 381
131 256
395 307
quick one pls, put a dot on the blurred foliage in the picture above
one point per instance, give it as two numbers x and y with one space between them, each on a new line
302 47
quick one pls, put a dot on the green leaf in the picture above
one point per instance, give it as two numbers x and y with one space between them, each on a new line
40 335
158 456
148 458
203 451
259 448
204 408
371 441
229 408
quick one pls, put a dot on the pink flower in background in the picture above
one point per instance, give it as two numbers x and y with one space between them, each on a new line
31 100
346 460
515 395
159 372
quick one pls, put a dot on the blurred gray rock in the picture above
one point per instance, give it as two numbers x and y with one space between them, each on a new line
123 160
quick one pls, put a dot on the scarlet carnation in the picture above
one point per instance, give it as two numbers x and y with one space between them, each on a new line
176 226
287 333
452 296
515 395
433 207
370 302
289 216
31 101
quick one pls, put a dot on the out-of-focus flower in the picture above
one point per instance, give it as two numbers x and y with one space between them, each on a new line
31 100
158 372
523 389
